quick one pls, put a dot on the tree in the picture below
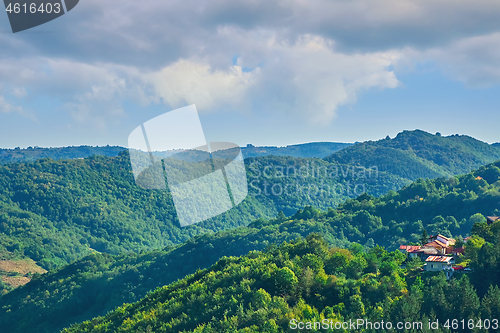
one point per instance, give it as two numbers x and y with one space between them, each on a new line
281 216
482 229
459 242
490 306
285 279
356 248
424 239
414 263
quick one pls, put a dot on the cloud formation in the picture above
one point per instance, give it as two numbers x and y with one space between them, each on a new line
6 107
300 58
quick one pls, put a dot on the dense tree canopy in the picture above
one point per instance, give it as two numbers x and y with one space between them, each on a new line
305 281
368 220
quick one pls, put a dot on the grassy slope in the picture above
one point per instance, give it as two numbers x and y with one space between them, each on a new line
15 273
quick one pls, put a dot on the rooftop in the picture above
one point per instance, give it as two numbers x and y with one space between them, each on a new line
409 248
439 259
491 219
428 250
436 244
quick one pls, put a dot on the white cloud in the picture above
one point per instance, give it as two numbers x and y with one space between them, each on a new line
188 82
6 107
19 92
474 61
323 79
299 58
306 78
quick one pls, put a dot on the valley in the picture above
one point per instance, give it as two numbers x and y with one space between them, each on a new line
106 242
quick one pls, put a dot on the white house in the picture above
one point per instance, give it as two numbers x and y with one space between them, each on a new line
437 263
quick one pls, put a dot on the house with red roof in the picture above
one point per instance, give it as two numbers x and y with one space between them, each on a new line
438 245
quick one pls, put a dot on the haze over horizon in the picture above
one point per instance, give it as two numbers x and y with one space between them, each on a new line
245 145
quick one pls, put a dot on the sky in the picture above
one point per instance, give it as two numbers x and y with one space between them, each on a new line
259 72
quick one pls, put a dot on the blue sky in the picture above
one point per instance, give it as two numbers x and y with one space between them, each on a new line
267 73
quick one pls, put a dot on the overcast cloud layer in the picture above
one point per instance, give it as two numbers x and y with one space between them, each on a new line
300 58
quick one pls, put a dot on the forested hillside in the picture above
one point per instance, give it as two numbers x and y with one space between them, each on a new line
100 282
306 281
55 212
418 154
313 149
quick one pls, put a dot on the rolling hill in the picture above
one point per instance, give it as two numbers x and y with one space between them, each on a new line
55 212
418 154
308 286
31 154
58 211
98 283
313 149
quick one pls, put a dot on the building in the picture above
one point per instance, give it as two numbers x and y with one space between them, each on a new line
437 263
438 245
441 241
492 219
409 248
424 252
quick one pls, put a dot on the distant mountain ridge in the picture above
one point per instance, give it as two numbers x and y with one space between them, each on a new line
418 154
312 149
55 212
326 150
32 154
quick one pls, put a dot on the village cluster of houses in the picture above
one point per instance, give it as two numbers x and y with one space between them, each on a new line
440 252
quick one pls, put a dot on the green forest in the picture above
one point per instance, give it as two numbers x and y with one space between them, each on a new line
418 154
32 154
100 282
55 212
307 281
106 241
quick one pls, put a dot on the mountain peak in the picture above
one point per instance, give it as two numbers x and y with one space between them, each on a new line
418 154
